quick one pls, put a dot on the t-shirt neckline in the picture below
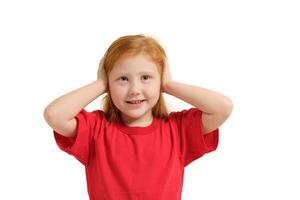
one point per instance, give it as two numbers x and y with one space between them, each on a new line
138 129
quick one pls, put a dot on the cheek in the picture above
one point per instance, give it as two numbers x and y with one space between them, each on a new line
154 92
116 92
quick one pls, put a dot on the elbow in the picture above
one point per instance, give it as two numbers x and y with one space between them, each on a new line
48 114
228 107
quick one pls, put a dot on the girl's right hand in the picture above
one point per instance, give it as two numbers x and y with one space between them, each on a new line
101 74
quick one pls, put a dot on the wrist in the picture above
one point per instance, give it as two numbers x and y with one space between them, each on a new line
167 86
101 85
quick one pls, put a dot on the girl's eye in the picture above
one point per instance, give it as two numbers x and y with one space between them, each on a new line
147 77
122 78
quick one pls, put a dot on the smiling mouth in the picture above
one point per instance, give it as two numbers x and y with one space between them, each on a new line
135 102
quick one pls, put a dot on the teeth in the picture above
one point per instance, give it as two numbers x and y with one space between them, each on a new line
135 102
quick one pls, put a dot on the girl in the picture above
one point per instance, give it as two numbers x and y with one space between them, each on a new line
134 148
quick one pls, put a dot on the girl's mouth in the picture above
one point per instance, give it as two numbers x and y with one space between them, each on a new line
135 102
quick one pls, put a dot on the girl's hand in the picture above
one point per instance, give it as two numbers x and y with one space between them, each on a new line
101 74
167 77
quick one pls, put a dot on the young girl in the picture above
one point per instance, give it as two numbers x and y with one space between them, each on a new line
134 149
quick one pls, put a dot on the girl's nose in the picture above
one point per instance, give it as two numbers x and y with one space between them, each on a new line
134 89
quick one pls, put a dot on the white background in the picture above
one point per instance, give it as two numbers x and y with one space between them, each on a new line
246 50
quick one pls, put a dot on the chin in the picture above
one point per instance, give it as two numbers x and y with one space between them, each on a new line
134 113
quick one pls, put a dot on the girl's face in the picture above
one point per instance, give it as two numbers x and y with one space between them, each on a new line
135 78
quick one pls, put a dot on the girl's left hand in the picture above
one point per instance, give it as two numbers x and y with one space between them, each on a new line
167 77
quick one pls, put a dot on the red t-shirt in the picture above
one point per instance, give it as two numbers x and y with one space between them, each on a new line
137 163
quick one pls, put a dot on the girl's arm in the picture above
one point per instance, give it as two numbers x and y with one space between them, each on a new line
215 107
67 106
60 113
206 100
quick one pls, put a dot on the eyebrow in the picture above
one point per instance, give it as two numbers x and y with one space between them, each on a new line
124 73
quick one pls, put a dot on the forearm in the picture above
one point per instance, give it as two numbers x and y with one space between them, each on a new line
206 100
69 105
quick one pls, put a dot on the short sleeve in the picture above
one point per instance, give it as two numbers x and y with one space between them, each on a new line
81 145
193 143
